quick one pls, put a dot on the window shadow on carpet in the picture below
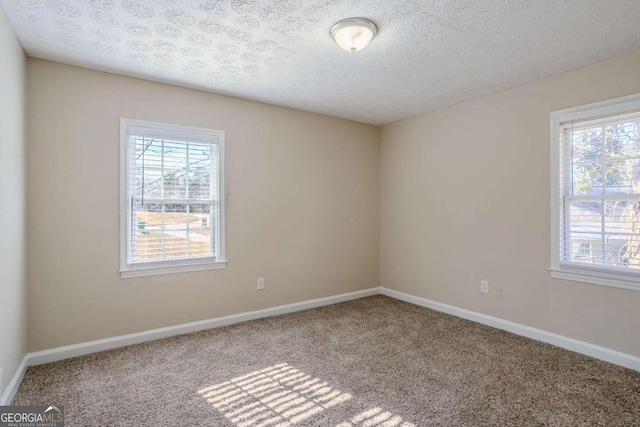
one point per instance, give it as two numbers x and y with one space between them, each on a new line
283 396
376 417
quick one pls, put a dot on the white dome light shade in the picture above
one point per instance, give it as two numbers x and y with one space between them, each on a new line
354 33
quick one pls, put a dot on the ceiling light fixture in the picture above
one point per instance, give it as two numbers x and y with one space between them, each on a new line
353 34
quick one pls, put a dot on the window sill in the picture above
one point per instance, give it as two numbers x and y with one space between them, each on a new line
597 278
156 270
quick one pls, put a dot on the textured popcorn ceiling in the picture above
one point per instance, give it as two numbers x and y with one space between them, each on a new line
428 53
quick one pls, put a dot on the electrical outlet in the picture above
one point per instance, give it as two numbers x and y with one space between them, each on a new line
497 291
260 283
484 286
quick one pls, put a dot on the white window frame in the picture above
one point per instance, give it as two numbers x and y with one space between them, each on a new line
179 132
575 271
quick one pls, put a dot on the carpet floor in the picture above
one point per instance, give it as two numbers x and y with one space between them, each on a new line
374 361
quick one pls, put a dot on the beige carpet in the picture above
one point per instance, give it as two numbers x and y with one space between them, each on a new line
370 362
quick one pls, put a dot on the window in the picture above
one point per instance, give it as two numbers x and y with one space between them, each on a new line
172 198
596 193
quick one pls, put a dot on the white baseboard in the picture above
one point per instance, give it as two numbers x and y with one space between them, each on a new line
12 386
66 352
596 351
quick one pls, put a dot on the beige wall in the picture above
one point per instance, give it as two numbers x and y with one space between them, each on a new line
465 197
302 208
13 288
463 194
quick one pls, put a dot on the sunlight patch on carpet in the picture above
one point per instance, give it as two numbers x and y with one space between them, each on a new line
376 417
278 396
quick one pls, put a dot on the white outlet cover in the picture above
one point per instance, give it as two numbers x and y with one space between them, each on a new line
484 286
260 283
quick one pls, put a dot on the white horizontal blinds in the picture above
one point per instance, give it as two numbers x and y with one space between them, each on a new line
172 196
600 184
